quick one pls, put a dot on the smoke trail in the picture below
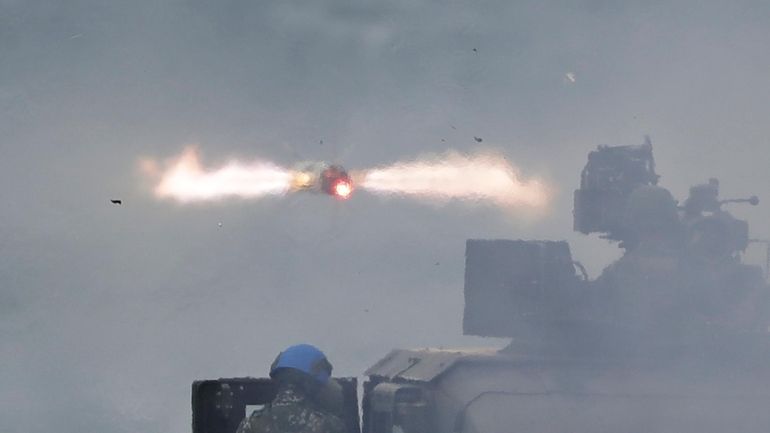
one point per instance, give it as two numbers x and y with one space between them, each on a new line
186 181
453 176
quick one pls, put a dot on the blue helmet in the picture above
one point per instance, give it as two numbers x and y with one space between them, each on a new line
305 358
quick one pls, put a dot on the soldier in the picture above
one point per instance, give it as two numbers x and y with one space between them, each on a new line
642 287
302 373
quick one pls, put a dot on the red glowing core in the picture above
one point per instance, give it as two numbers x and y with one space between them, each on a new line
342 188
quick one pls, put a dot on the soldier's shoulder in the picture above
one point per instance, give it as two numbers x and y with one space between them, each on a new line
313 420
326 422
257 422
303 417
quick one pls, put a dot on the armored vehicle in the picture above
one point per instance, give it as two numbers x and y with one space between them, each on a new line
671 338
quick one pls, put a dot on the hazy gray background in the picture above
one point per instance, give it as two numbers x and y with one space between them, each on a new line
108 313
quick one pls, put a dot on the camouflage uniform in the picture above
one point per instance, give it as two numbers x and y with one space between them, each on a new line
291 411
643 288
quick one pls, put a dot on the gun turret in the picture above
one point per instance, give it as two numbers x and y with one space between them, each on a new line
705 198
711 231
608 179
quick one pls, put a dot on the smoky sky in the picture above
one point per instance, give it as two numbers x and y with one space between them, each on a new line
108 313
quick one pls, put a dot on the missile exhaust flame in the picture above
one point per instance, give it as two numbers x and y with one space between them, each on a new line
483 177
187 181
